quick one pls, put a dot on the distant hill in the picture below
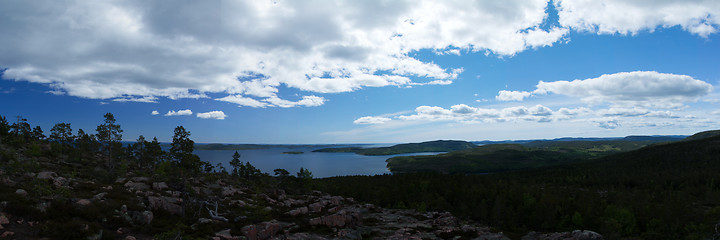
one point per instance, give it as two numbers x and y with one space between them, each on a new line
533 154
654 138
432 146
702 135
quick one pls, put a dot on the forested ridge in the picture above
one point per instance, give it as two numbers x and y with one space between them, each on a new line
667 191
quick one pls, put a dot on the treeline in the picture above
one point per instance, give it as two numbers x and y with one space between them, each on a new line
19 141
666 191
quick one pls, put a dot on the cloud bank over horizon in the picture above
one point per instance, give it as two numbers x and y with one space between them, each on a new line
642 98
247 51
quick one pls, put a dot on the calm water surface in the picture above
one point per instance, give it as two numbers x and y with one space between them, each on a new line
321 164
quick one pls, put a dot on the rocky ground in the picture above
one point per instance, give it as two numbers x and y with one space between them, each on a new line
68 205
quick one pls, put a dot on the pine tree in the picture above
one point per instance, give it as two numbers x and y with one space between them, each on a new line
109 133
236 164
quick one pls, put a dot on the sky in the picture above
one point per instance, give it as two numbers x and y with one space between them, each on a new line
306 72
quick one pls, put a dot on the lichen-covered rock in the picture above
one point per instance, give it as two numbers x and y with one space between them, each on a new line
47 175
230 191
159 186
21 192
143 218
341 219
83 202
140 179
169 204
225 234
297 211
99 196
60 182
264 230
136 185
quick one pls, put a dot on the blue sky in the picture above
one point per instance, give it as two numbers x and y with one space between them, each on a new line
364 72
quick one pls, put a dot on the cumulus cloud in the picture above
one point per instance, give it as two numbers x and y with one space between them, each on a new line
465 113
245 50
640 88
179 112
505 95
243 101
140 51
371 120
212 114
699 17
155 112
608 124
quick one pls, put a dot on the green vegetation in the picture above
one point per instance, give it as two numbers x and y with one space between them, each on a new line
87 190
667 191
701 135
506 157
433 146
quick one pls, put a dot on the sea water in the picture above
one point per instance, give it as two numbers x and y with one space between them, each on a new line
321 164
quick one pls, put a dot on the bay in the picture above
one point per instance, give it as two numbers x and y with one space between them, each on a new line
321 164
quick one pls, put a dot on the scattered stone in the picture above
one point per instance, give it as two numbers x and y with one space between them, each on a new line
140 179
318 206
7 234
136 185
264 230
225 234
47 175
230 191
42 206
168 204
3 220
159 186
298 211
237 202
341 219
143 218
21 192
120 180
99 196
130 238
7 182
60 182
83 202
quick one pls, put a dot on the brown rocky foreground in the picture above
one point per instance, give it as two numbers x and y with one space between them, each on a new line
226 211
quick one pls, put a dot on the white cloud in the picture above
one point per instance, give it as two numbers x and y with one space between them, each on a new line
371 120
307 101
700 17
243 101
245 50
147 99
140 51
155 112
646 89
212 114
505 95
608 123
465 113
179 112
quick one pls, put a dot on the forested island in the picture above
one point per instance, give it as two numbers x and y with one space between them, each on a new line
81 185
